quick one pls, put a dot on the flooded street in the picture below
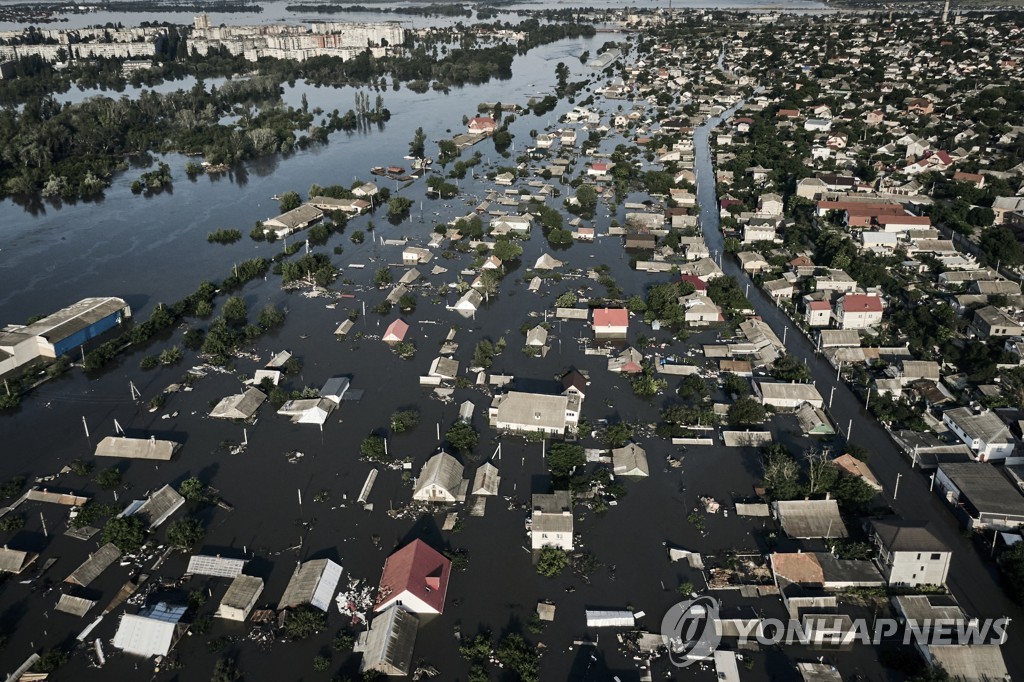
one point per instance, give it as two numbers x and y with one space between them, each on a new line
152 249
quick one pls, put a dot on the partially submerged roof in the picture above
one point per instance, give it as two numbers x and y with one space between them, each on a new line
388 645
441 470
76 317
15 560
221 567
76 606
810 518
240 405
242 592
486 480
150 633
92 567
159 506
136 448
313 583
630 460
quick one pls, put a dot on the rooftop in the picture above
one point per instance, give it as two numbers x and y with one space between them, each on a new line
899 535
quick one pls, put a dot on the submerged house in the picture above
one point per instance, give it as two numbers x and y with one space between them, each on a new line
388 645
441 480
152 632
414 578
551 523
239 406
240 599
313 583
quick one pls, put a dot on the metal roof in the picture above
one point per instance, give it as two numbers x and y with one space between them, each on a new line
486 480
982 662
244 589
390 642
987 489
531 410
441 470
92 567
15 560
221 567
310 583
76 317
630 460
136 448
76 606
899 535
810 518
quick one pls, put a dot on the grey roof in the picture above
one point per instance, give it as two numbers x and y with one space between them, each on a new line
15 560
985 487
818 672
344 328
221 567
305 582
531 410
929 608
242 591
985 426
486 480
813 419
537 336
150 633
76 317
630 460
136 448
76 606
335 387
839 338
848 570
389 643
971 663
298 216
159 506
443 367
551 523
773 390
907 536
557 502
94 565
810 518
442 470
239 406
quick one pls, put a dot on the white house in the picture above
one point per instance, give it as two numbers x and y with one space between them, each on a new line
441 480
787 395
858 311
983 432
535 412
909 554
551 524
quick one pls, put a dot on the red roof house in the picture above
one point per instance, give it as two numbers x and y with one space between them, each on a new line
395 332
416 578
611 321
482 124
700 287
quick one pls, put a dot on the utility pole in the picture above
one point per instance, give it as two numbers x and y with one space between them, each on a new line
85 425
849 429
830 396
896 490
868 401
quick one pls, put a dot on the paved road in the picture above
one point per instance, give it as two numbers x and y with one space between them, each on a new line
973 580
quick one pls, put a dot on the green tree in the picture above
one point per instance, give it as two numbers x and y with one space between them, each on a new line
552 561
234 311
746 411
507 251
1000 246
289 201
398 206
462 436
618 434
125 532
225 671
734 384
518 656
108 479
404 420
566 300
483 354
373 449
788 368
185 533
271 316
304 622
563 458
383 276
192 489
418 144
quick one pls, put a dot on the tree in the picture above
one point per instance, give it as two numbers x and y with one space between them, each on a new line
618 434
417 146
563 458
373 449
781 474
788 368
404 420
185 533
1000 246
693 387
646 384
289 201
746 411
483 354
225 671
519 656
734 384
552 561
304 622
383 276
566 300
234 312
1012 563
462 436
192 489
271 316
507 251
125 532
108 479
821 472
398 206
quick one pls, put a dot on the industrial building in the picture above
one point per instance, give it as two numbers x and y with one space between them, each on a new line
62 332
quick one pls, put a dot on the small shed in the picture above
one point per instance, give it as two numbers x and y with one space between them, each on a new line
240 599
76 606
153 632
388 645
395 332
610 619
334 389
466 411
344 328
157 508
486 480
538 336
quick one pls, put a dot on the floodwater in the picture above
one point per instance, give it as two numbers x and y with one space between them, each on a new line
149 249
276 11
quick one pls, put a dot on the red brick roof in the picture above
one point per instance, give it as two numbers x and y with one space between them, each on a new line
396 331
861 303
697 282
611 317
819 305
418 569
